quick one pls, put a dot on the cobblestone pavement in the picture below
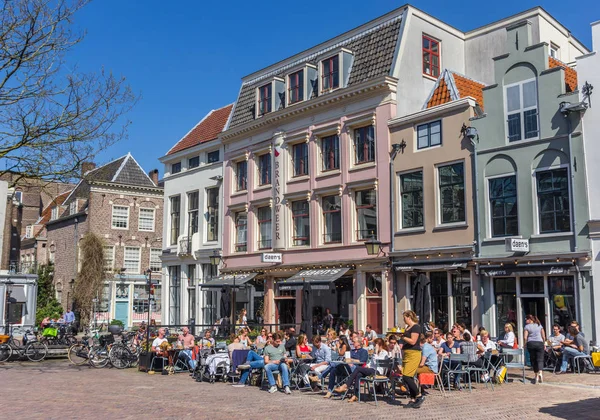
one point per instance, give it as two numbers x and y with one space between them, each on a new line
56 390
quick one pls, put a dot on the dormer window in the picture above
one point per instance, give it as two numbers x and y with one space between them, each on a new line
29 231
296 87
431 56
264 99
73 207
54 214
176 168
521 110
331 73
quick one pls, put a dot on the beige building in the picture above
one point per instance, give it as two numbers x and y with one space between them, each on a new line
433 217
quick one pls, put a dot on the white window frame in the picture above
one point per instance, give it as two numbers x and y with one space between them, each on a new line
73 207
153 252
321 219
554 47
438 200
536 204
29 231
206 219
54 213
521 110
112 219
354 216
488 230
112 259
212 151
139 259
140 219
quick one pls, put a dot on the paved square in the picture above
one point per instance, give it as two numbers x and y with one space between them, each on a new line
55 389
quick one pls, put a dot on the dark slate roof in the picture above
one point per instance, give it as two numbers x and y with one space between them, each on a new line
373 52
124 170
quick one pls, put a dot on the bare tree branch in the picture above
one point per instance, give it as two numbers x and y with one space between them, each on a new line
52 119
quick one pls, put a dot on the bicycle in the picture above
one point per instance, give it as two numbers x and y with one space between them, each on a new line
34 350
79 352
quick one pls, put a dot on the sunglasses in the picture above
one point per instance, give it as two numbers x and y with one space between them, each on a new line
269 336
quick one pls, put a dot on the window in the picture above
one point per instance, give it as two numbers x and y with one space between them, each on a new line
29 231
120 217
364 144
431 56
146 222
131 261
264 169
193 203
176 168
562 299
505 290
461 295
73 207
174 294
554 50
296 87
300 159
193 162
140 302
54 214
241 175
241 231
18 196
109 258
553 201
212 210
366 214
212 157
264 99
175 208
300 219
330 149
191 289
332 219
155 263
429 135
264 227
521 110
210 302
503 206
411 190
331 73
452 193
532 285
439 298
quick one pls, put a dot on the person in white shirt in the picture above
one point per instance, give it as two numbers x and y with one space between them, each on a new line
438 338
370 333
485 344
556 338
509 337
158 341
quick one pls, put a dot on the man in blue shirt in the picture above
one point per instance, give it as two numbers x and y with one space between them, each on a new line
321 355
429 360
69 316
358 357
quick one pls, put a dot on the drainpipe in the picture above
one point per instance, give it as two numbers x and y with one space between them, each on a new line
396 147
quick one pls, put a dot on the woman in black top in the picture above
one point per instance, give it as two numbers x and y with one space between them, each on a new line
411 357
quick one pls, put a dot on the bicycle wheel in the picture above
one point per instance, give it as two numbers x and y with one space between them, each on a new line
36 351
98 357
5 352
78 354
120 356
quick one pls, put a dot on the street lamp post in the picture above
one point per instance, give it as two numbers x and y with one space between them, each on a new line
149 285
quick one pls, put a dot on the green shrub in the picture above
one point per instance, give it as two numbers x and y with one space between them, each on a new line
117 322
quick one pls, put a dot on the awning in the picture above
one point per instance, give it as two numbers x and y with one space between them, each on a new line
317 278
432 267
18 294
228 280
527 270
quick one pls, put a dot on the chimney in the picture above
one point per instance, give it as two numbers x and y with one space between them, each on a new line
154 176
86 167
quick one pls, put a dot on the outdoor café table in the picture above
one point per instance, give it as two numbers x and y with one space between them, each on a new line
172 355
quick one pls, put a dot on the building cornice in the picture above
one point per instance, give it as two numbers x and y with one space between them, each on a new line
432 112
385 83
116 186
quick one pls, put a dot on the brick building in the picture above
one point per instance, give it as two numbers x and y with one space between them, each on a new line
25 201
124 206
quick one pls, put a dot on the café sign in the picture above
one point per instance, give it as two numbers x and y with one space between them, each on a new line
271 257
516 245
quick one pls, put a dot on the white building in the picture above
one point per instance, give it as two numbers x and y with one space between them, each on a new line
588 75
193 220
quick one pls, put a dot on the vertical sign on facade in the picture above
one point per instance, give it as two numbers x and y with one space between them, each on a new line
278 183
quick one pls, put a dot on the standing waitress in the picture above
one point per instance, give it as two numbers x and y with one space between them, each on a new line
411 357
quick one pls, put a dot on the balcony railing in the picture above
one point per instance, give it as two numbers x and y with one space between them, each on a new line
26 267
332 238
365 234
264 244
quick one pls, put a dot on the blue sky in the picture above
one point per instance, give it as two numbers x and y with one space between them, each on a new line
186 57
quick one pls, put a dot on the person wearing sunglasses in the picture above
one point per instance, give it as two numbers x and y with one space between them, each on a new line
262 338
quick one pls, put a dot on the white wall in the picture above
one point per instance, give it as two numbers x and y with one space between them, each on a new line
3 203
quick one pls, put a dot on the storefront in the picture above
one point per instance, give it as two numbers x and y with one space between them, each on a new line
548 291
18 299
452 288
239 291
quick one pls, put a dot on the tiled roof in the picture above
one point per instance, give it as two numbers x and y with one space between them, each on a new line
570 73
373 51
124 170
207 129
452 86
47 212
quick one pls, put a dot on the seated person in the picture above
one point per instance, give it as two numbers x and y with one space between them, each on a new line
468 347
575 344
341 350
235 345
302 347
394 349
450 344
207 340
485 345
187 340
370 333
365 340
158 341
429 358
332 339
321 354
438 338
358 357
508 341
244 339
360 371
290 339
262 338
275 360
556 338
